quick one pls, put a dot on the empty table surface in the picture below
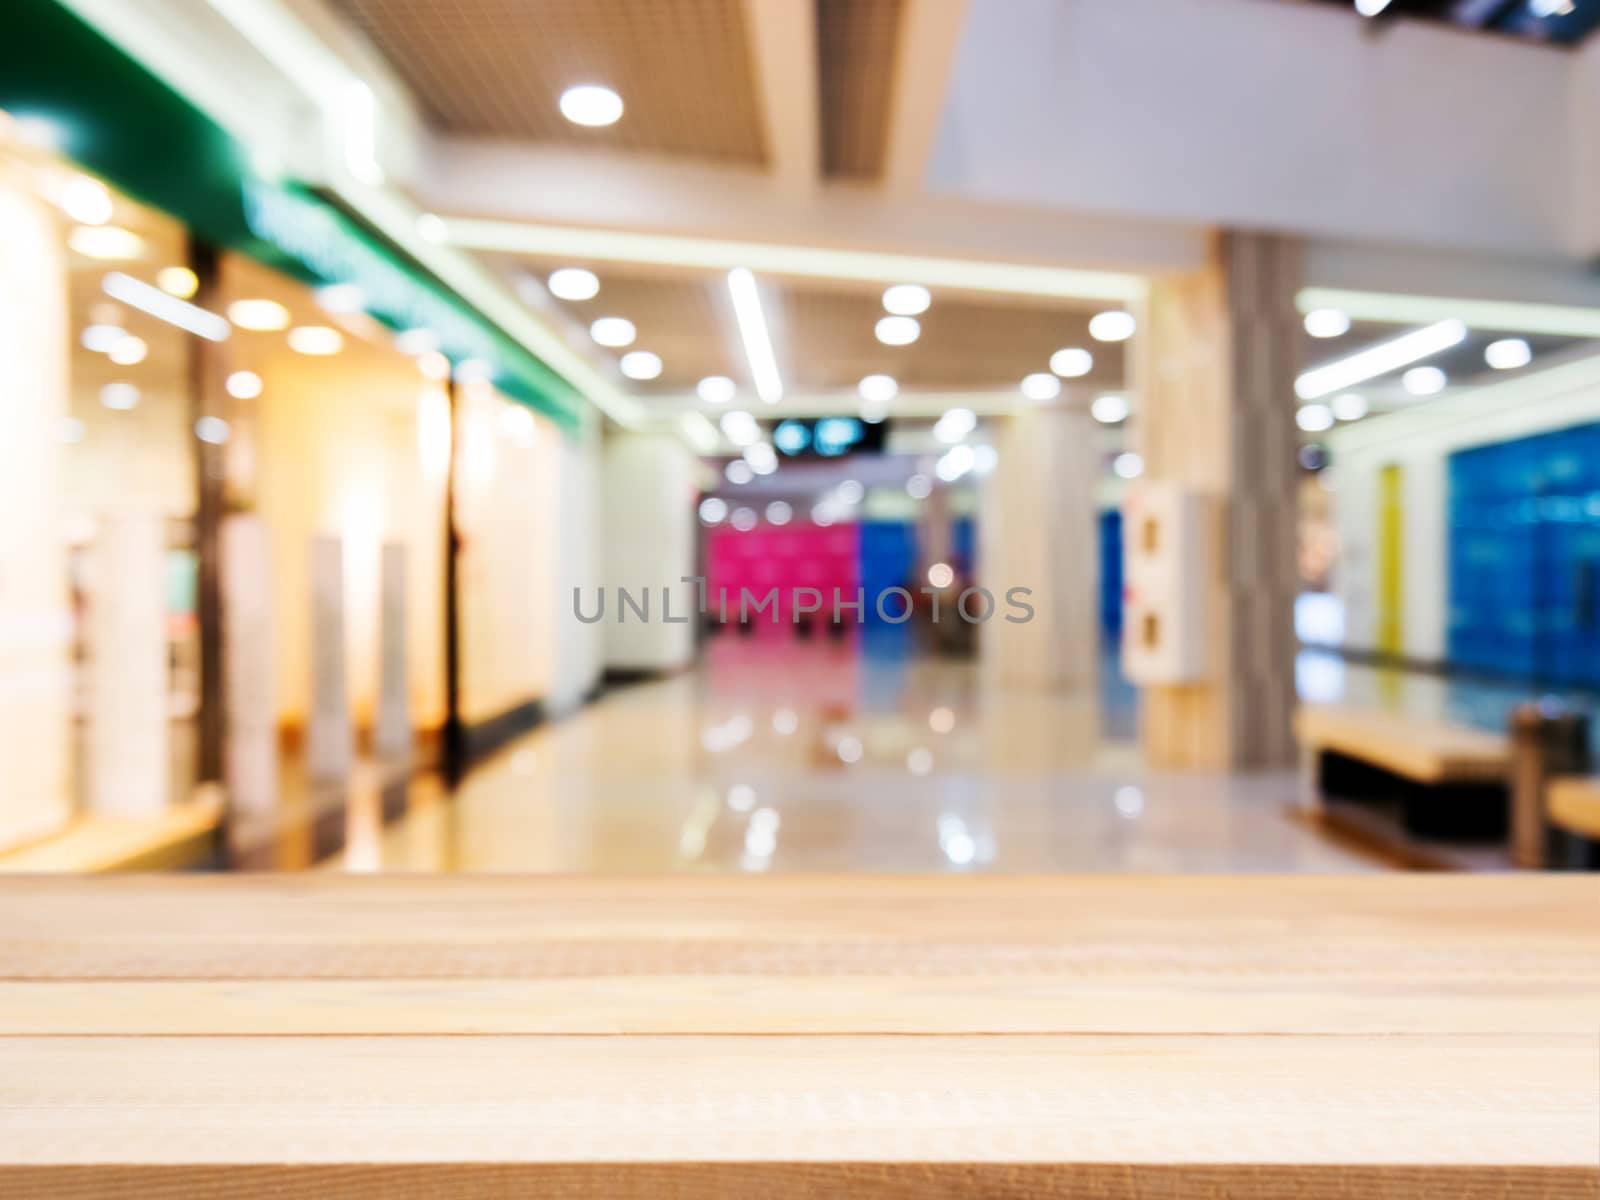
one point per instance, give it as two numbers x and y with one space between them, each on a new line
1405 1035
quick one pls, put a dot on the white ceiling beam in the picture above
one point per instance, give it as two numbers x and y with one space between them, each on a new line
783 52
545 185
930 30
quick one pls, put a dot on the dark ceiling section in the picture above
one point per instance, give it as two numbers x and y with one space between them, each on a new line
1562 22
856 44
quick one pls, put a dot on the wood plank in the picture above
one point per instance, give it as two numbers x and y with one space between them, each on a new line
1423 750
1573 803
700 1036
1306 1103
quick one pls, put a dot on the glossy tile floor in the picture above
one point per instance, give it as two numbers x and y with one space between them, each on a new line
779 755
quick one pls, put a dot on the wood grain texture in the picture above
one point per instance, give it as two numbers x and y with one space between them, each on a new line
716 1036
1423 750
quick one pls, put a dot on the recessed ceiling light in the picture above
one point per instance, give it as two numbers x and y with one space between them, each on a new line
119 397
244 385
109 243
763 459
178 281
1349 406
1507 354
738 472
716 389
318 341
879 389
1041 386
592 105
906 299
779 512
1551 8
260 316
641 364
1424 381
919 487
1371 8
1374 361
100 338
1128 465
1109 409
1072 363
86 201
1327 323
1113 326
164 306
129 352
1314 418
613 331
574 283
713 510
898 331
744 519
754 332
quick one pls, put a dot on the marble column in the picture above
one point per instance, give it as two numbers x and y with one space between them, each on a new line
35 617
1038 530
1214 376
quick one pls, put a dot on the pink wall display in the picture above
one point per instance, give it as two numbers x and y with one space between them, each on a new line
785 557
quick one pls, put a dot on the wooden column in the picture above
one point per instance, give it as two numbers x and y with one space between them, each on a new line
1215 377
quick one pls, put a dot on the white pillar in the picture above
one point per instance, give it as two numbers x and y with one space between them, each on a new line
649 538
251 674
330 741
129 737
393 733
35 620
1039 530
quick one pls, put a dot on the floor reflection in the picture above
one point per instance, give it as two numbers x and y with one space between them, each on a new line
776 755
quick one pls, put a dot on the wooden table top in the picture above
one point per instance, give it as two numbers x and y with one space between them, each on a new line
710 1036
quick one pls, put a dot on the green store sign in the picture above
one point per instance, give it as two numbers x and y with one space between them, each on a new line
121 122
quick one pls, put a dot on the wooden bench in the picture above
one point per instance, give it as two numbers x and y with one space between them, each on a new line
1450 780
1002 1036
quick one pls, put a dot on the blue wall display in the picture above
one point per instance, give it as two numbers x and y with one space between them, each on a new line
1525 557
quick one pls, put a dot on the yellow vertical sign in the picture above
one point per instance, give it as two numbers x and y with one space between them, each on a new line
1391 584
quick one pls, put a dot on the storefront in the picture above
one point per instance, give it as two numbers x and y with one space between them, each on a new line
276 495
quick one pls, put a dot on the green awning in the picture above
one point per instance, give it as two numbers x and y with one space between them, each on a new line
126 125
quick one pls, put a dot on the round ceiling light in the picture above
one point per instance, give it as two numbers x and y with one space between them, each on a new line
259 316
716 389
898 331
613 331
1327 323
906 300
1110 409
1507 354
1314 418
1113 326
317 341
1041 386
1072 363
591 105
86 201
244 385
1424 381
641 364
574 283
878 389
1349 406
178 281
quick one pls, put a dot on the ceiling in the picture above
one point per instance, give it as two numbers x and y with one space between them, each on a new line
1516 18
823 331
495 69
856 41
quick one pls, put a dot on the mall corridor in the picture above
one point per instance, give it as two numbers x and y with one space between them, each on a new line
697 598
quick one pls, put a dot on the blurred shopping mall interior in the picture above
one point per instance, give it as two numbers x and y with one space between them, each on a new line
799 435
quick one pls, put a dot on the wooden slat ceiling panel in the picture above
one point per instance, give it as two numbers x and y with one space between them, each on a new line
856 42
965 343
496 68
